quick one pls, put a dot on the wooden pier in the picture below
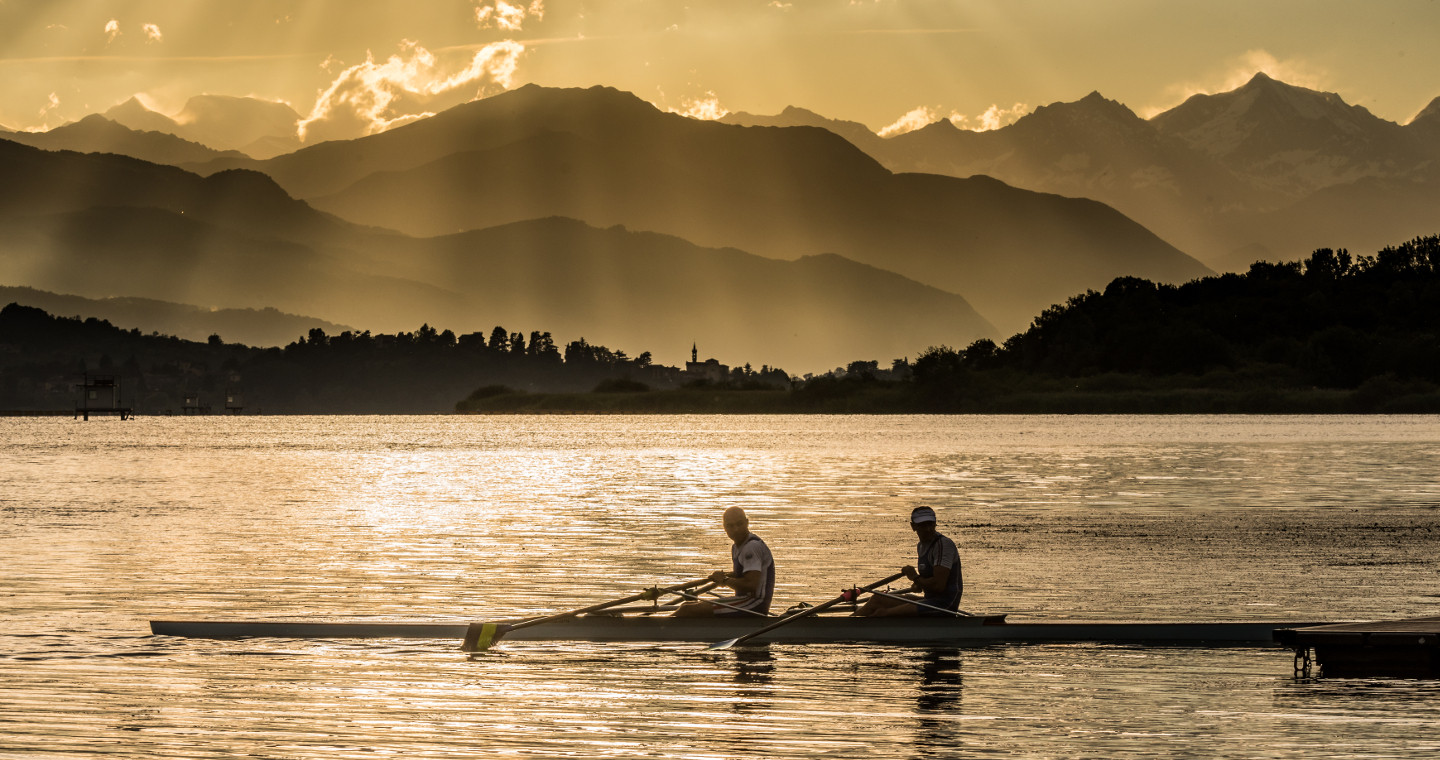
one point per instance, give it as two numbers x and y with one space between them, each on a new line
1385 649
100 395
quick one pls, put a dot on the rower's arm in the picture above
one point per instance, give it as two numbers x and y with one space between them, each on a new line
936 583
743 584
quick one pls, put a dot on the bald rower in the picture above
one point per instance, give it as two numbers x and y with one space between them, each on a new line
751 576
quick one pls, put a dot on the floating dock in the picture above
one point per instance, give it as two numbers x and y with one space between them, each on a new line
1383 649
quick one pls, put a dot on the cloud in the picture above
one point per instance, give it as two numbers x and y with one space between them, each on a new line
921 116
152 33
112 30
1296 71
498 14
372 97
50 105
994 117
706 108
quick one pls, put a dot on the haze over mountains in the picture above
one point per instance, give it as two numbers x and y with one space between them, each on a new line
105 225
805 244
1269 170
251 327
258 128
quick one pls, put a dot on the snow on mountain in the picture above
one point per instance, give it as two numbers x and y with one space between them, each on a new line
1292 139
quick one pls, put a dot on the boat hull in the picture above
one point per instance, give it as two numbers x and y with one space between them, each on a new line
914 631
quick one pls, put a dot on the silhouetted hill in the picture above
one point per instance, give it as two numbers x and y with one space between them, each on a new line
97 134
608 158
1364 213
665 293
1333 321
252 327
1335 333
39 181
598 113
856 133
42 358
104 225
135 115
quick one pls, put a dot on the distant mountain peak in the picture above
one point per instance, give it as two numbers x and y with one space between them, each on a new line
796 112
1429 116
1094 111
132 107
939 126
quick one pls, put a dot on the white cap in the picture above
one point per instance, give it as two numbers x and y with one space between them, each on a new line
922 515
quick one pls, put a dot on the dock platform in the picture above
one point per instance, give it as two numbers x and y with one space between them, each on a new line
1385 649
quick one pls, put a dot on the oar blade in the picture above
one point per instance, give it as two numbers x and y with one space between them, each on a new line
726 644
479 637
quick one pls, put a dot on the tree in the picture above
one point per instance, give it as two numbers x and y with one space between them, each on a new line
499 339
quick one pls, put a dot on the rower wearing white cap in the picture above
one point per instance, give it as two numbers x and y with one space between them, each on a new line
751 576
936 574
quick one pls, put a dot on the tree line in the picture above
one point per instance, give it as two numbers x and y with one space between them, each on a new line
1360 331
1332 333
42 358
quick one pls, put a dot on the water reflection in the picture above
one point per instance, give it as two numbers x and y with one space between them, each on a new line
754 679
937 700
104 526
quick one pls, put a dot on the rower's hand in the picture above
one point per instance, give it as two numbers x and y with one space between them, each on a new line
719 576
909 572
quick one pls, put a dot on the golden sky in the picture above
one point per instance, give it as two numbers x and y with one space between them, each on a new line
351 66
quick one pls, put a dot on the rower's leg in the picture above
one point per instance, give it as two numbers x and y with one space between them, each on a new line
899 609
883 606
695 609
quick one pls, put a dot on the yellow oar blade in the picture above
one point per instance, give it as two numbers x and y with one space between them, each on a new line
480 636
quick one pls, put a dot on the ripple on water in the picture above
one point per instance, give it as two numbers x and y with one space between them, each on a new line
106 525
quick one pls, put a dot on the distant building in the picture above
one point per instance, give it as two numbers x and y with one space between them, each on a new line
100 394
710 370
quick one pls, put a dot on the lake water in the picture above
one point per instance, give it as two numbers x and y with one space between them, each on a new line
105 525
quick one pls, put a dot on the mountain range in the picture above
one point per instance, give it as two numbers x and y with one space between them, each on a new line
99 226
258 128
793 240
609 158
1266 171
251 327
785 246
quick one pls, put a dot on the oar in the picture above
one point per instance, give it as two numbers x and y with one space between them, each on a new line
480 636
956 613
849 595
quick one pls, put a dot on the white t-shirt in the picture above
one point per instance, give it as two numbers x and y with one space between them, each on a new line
753 554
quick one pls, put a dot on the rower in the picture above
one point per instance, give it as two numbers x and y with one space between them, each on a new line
751 576
936 574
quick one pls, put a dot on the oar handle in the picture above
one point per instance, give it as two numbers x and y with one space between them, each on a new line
847 595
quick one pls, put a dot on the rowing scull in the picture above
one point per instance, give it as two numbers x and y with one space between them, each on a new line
820 629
